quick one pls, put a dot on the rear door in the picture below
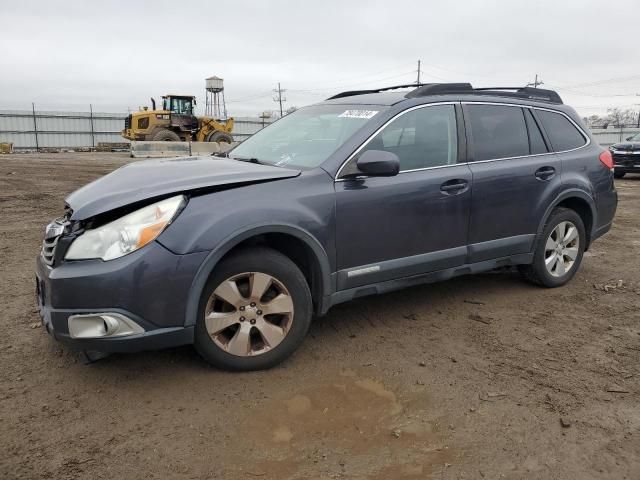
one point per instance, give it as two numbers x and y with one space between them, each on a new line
514 176
416 221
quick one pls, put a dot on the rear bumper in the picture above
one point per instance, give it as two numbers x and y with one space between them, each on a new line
606 205
150 287
601 231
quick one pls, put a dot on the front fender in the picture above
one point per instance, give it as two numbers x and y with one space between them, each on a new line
302 207
212 259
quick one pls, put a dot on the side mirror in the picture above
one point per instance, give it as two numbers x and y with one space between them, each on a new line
378 163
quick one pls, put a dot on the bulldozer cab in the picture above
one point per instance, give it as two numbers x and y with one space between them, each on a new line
181 112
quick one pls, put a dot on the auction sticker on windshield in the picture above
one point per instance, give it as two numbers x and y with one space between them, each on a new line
358 113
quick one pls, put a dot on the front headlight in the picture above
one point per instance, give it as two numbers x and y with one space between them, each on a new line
127 234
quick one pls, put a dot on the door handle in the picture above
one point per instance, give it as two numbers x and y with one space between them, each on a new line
453 187
545 173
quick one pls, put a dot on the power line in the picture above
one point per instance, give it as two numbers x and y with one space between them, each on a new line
350 80
251 97
580 93
361 82
602 82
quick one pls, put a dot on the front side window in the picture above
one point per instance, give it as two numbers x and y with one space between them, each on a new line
308 136
562 133
422 138
498 132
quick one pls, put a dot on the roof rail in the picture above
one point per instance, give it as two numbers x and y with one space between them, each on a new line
375 90
427 89
440 89
523 92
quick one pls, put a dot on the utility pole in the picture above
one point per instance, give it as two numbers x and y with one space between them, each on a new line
535 83
278 97
93 137
35 125
418 80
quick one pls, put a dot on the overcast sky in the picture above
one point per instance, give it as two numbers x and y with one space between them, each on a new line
116 54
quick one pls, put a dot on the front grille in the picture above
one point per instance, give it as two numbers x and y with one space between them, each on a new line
127 122
49 250
52 234
629 159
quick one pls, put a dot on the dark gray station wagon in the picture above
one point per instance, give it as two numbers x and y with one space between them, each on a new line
364 193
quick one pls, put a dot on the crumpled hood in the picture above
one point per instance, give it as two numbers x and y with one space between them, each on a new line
148 179
627 146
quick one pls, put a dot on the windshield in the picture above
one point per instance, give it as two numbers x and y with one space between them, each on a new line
306 137
636 137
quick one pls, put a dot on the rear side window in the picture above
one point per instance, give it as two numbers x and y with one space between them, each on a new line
497 132
536 142
562 133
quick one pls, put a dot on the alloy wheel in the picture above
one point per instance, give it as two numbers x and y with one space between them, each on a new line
561 249
249 314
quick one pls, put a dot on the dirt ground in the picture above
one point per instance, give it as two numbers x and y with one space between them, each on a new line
479 377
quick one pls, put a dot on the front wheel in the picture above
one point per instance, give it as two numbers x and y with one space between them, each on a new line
558 250
619 174
254 311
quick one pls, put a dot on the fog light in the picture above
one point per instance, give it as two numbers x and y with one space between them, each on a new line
98 325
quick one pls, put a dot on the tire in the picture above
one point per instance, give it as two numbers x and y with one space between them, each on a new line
165 136
220 137
619 174
238 335
546 251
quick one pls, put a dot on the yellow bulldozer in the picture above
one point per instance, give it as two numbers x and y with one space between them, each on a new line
176 122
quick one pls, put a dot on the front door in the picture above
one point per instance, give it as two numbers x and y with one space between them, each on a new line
415 222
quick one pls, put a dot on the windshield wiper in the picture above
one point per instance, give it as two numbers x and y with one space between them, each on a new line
246 159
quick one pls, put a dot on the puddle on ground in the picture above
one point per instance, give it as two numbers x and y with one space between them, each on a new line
351 428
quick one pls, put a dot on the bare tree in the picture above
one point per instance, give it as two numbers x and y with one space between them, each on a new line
620 118
595 121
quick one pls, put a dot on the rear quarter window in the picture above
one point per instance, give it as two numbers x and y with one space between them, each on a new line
561 132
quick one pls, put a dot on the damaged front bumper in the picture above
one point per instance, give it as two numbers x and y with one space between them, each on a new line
136 302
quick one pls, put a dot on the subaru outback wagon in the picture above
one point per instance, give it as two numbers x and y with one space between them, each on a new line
364 193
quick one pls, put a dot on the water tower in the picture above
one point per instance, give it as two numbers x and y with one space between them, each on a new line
215 106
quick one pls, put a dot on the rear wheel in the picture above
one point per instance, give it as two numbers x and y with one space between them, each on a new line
254 311
619 174
558 251
165 136
220 137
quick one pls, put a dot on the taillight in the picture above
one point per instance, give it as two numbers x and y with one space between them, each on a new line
607 159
